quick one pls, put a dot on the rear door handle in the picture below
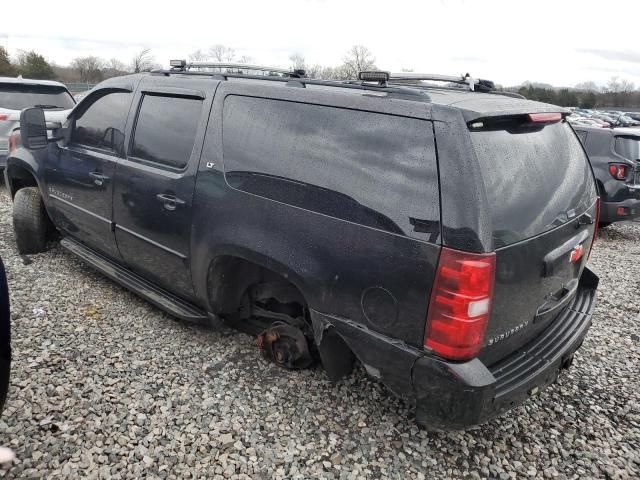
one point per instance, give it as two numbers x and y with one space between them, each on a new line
98 178
169 201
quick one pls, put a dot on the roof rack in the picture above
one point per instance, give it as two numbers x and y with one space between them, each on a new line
301 82
474 84
231 67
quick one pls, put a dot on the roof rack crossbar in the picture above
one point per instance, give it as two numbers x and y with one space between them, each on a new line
461 79
237 66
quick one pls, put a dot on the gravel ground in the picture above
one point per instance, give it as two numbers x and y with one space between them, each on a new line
106 386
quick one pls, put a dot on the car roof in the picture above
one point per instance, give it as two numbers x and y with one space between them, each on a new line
472 104
29 81
626 131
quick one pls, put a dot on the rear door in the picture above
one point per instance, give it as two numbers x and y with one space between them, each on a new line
541 197
154 185
80 178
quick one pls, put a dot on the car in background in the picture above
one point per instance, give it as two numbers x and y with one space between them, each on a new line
634 115
627 121
615 157
587 121
5 337
19 93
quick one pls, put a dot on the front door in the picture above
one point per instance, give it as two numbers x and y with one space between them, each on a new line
154 187
80 177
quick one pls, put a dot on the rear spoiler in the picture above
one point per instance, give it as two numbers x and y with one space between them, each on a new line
501 106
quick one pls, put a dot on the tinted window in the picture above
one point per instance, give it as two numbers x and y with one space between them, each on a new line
102 124
628 147
535 180
166 130
582 135
17 97
368 168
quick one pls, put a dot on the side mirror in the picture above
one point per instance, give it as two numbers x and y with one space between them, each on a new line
33 128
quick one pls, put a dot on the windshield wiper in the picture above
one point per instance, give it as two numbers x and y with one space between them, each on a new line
45 106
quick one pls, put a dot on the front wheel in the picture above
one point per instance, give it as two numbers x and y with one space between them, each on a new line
30 221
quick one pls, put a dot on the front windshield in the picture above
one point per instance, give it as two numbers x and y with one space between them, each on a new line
17 97
628 147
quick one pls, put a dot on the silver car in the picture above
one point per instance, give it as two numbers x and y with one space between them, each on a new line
19 93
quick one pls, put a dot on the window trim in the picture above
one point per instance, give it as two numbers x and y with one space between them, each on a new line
84 106
167 93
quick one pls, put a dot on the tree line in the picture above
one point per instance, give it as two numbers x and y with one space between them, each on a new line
87 69
617 93
92 69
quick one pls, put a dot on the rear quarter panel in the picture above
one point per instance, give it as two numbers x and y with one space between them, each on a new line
375 278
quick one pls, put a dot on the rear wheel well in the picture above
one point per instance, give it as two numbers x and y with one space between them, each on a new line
252 297
230 278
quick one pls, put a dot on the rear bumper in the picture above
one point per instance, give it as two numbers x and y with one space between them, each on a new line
450 395
609 210
471 393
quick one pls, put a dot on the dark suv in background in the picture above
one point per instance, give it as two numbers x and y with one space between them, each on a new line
440 235
615 158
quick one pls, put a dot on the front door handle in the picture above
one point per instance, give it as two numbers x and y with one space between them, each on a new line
98 178
169 201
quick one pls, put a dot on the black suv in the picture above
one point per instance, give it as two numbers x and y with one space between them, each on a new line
437 234
615 157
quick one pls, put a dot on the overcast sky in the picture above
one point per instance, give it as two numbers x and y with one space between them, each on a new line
559 42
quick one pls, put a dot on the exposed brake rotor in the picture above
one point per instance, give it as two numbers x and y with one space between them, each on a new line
285 345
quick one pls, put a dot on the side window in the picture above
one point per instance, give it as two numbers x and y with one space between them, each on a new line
166 130
582 135
101 126
368 168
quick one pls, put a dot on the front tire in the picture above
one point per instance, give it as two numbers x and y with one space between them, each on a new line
30 221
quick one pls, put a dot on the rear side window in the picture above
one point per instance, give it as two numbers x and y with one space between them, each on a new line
166 130
628 147
20 96
101 125
582 135
534 180
368 168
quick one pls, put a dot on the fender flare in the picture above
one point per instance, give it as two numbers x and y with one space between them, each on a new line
23 164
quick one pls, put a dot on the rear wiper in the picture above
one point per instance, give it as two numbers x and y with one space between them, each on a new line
45 106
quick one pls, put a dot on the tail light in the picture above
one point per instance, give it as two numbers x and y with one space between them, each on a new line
595 229
4 116
619 170
460 304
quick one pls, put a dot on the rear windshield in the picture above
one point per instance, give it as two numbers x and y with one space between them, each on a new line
628 147
534 180
17 97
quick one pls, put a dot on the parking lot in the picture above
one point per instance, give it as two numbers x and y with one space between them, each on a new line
104 385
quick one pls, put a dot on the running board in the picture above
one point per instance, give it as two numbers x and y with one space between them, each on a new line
134 282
